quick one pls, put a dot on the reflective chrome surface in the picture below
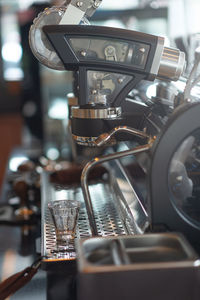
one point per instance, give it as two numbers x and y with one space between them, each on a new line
147 251
150 266
85 173
172 64
89 141
105 137
111 212
102 113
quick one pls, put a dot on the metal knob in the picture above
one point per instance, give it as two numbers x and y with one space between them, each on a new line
172 64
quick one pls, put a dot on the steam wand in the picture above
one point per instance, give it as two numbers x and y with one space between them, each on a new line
101 140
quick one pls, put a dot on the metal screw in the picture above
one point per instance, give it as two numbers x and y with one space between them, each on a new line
119 113
83 53
120 80
142 50
96 4
79 3
179 178
94 92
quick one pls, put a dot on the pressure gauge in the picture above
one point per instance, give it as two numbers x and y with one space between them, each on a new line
174 177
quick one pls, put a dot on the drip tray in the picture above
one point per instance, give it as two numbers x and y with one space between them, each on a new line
149 266
112 215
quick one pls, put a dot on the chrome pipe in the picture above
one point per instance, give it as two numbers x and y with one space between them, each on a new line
99 160
105 137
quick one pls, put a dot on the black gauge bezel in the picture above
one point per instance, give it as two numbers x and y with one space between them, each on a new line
59 36
163 213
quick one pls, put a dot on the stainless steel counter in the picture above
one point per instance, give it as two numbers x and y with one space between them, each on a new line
110 211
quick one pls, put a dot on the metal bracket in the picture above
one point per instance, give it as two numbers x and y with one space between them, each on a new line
77 9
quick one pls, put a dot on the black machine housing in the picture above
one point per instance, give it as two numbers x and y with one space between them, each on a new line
174 192
165 213
136 59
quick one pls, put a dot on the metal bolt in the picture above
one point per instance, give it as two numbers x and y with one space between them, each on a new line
120 80
79 3
96 4
119 112
179 178
83 53
94 92
142 50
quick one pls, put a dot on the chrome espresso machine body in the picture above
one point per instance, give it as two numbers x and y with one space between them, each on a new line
149 146
110 62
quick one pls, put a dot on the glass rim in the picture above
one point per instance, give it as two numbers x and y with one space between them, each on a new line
54 203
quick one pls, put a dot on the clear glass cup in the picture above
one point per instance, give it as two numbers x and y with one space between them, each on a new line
65 215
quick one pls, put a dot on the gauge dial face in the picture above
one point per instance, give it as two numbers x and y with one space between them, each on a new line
184 178
104 86
113 50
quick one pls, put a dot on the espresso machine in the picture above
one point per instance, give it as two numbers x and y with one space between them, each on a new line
149 148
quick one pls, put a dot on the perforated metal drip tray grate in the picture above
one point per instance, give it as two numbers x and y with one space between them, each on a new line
112 214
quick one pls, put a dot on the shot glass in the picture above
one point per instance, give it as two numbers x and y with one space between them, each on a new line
64 214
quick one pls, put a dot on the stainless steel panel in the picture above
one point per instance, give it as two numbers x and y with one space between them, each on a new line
112 214
147 251
150 266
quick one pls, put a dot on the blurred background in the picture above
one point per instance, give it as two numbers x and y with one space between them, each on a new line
34 101
33 98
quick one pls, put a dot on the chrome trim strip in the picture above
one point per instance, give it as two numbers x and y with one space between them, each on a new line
157 56
102 113
90 141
